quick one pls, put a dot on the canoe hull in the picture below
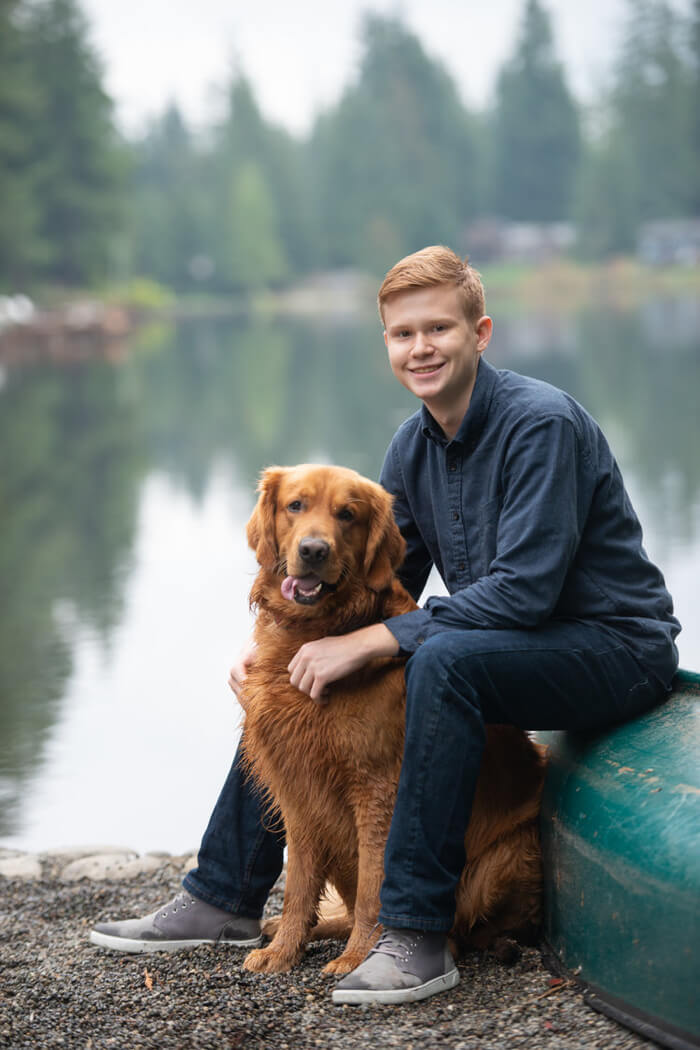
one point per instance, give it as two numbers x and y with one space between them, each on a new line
621 847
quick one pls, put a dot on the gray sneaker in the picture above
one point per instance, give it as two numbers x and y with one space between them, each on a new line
183 922
403 966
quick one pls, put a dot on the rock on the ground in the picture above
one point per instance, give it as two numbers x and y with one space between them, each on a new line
110 866
20 866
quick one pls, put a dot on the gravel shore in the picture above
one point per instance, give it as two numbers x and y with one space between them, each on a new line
56 990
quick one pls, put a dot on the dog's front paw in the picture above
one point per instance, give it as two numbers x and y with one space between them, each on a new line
345 963
268 960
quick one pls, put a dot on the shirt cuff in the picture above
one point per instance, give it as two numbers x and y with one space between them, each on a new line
410 629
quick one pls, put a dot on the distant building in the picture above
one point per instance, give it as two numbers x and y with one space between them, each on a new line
670 241
497 240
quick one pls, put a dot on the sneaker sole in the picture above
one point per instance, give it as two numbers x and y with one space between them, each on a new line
397 995
126 944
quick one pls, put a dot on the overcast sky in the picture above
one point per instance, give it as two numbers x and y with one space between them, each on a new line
299 54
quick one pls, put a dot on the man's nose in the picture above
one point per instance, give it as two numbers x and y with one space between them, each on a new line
421 343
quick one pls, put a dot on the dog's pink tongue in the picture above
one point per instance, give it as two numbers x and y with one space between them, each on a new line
291 584
288 587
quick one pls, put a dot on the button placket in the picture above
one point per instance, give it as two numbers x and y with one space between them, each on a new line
460 557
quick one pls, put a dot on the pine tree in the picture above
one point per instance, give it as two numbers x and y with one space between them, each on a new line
82 165
21 245
536 133
255 250
168 210
256 197
694 109
644 165
650 107
394 163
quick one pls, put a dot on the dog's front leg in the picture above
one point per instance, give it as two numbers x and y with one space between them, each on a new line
372 829
305 880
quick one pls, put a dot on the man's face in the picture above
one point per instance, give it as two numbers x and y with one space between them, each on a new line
433 349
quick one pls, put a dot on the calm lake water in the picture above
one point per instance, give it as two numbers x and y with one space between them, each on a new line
125 485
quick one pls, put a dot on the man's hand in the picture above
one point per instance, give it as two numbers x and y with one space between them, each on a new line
237 674
319 663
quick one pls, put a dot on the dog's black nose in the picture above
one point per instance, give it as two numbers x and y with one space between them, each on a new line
313 551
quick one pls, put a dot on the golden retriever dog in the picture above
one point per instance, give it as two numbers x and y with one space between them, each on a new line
328 550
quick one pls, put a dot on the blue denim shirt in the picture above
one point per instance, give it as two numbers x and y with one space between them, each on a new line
525 516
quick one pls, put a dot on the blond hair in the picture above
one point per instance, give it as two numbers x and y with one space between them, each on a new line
433 266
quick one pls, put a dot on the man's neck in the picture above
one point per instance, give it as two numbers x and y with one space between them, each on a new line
449 417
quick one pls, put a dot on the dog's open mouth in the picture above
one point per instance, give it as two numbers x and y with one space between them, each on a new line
306 590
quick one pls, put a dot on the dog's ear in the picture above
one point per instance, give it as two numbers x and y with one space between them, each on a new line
385 544
262 537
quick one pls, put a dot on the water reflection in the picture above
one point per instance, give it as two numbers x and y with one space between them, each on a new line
121 482
69 470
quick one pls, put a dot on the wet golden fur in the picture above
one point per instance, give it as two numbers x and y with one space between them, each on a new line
332 771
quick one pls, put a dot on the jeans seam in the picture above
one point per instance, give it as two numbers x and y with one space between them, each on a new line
262 833
415 817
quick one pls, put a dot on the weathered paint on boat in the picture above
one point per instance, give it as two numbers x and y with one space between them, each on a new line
621 845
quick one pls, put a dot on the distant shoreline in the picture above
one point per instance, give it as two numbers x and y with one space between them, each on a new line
622 279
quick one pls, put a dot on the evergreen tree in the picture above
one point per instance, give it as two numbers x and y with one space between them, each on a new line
21 245
642 166
254 248
694 109
536 133
650 109
257 191
82 166
394 164
168 213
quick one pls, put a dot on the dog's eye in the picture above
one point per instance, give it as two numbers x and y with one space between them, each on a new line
294 506
345 515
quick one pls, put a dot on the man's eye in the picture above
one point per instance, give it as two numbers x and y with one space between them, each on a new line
345 515
294 506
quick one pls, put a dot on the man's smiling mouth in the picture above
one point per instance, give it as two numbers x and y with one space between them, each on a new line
426 370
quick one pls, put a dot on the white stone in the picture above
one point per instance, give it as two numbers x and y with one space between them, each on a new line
21 866
140 866
76 852
100 866
189 863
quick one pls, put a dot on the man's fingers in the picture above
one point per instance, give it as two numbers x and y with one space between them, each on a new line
323 699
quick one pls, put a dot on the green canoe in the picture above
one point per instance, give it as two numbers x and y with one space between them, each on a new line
621 844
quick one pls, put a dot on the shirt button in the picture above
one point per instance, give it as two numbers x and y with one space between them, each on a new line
461 567
451 466
455 515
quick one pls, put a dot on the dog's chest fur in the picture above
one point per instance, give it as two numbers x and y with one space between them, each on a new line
301 751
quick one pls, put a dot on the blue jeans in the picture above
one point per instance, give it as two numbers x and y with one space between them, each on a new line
565 675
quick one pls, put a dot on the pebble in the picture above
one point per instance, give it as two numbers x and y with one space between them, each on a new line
21 866
97 863
57 990
110 866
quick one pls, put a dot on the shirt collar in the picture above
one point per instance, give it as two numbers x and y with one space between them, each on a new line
474 418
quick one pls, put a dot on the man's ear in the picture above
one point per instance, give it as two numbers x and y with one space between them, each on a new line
262 537
484 331
385 544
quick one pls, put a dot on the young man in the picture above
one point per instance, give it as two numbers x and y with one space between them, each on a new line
555 619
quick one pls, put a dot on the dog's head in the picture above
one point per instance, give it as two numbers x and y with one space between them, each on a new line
318 531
